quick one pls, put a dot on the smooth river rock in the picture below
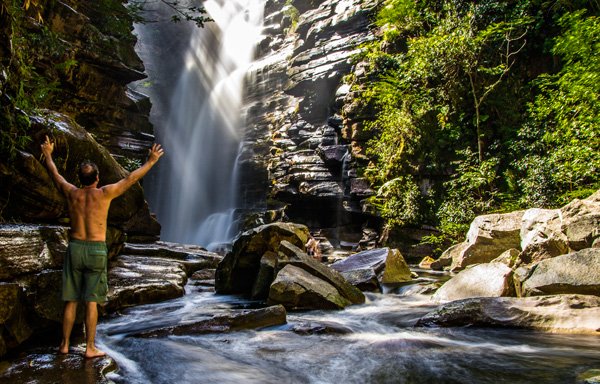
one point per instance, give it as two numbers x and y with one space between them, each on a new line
577 272
581 221
297 289
482 280
555 313
541 236
386 264
49 367
488 237
289 254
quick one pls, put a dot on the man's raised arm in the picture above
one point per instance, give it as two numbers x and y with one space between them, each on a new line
63 184
117 189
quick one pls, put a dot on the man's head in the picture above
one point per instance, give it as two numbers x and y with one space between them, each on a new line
88 173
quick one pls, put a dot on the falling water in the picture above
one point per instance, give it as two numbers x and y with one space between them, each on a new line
194 192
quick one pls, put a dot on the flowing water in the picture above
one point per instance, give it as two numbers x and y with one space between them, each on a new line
194 197
197 118
378 345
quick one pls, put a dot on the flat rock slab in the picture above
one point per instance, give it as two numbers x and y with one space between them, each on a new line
555 313
136 280
192 256
320 328
239 320
49 367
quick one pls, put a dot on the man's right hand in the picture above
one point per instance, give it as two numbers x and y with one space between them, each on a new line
155 153
47 147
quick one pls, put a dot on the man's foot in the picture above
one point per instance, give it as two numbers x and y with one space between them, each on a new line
91 353
63 349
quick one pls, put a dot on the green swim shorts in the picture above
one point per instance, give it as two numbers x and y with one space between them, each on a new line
84 271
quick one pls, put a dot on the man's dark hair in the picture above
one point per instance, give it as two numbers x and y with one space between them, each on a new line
88 172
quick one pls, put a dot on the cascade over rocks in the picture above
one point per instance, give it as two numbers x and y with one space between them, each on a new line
556 313
149 273
235 321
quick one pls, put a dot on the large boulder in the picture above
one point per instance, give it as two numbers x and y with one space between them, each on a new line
556 313
27 249
482 280
541 236
581 221
149 273
289 254
13 329
295 288
238 271
386 264
29 193
488 237
577 272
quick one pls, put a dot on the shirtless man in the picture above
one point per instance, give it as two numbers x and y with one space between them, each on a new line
84 270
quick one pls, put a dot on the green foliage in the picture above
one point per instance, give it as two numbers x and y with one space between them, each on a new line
462 92
128 163
181 12
564 118
399 201
472 191
292 12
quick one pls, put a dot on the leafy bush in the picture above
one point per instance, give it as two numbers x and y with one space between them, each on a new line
470 94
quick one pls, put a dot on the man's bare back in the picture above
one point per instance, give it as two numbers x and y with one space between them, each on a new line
88 209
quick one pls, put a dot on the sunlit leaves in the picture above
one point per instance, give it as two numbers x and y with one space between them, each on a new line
567 110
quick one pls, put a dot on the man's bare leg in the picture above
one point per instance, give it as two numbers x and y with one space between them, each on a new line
91 320
68 320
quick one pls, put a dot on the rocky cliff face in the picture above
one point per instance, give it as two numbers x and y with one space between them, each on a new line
74 59
296 151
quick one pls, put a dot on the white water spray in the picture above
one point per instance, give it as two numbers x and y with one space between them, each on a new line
195 195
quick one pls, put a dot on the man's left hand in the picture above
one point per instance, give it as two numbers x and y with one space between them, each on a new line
47 147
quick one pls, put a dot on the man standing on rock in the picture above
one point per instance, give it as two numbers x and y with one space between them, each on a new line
84 270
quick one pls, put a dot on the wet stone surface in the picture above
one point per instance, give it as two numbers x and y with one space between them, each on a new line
47 366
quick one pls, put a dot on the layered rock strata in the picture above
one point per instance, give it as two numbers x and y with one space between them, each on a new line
294 149
31 260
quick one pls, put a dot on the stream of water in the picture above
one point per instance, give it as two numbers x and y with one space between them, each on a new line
197 116
379 345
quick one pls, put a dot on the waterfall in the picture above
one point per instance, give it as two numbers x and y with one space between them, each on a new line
194 190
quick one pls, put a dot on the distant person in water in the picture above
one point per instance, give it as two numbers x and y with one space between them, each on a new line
312 248
84 269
